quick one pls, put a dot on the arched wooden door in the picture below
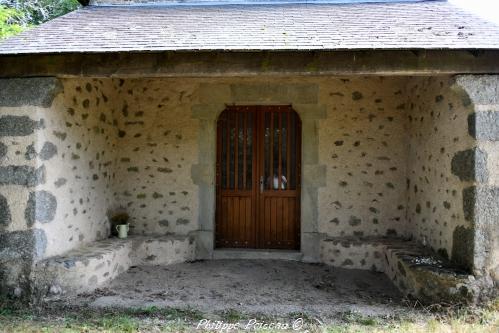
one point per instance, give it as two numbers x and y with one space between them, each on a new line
258 178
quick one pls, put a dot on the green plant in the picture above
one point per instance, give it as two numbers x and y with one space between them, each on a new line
18 15
8 22
39 11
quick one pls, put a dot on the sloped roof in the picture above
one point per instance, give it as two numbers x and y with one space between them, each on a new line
256 27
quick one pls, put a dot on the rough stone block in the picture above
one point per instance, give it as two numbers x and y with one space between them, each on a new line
18 125
22 245
48 151
3 150
481 209
22 175
463 247
484 125
482 89
470 165
469 199
5 217
29 91
41 207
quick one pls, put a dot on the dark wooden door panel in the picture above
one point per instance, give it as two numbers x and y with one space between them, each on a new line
236 227
279 165
258 177
280 230
236 205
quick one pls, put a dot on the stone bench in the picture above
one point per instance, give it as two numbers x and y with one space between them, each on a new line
88 267
414 269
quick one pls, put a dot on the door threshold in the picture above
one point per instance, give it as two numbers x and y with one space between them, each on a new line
266 254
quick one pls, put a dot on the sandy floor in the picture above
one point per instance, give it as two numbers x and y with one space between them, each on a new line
268 287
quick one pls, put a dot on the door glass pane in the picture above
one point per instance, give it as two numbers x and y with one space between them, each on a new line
223 159
249 152
267 150
293 147
240 150
275 157
284 152
232 137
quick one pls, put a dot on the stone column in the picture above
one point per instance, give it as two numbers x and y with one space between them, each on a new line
480 246
21 172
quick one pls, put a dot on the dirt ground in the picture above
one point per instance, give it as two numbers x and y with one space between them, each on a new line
269 287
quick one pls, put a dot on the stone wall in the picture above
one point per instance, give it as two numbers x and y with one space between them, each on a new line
157 146
363 143
438 143
82 130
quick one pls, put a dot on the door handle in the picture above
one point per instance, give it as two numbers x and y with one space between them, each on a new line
261 184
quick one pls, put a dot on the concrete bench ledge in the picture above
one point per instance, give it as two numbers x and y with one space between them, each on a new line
90 266
414 269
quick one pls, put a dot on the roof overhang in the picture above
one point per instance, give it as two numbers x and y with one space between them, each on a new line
231 64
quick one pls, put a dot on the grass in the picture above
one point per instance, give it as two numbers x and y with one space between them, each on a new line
152 319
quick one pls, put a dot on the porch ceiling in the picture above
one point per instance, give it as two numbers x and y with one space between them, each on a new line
386 26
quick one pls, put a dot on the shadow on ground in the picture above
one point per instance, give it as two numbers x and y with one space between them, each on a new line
269 287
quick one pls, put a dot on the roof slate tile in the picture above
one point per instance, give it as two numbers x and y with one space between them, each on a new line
419 25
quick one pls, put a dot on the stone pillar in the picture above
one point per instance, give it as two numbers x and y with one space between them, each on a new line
480 165
21 172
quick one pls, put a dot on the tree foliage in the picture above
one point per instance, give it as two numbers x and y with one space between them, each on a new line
8 25
17 15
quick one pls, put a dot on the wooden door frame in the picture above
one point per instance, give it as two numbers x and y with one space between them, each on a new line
213 98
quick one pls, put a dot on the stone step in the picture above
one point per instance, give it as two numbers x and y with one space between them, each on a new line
86 268
257 254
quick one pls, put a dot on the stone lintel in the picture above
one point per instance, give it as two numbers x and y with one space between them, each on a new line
278 93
